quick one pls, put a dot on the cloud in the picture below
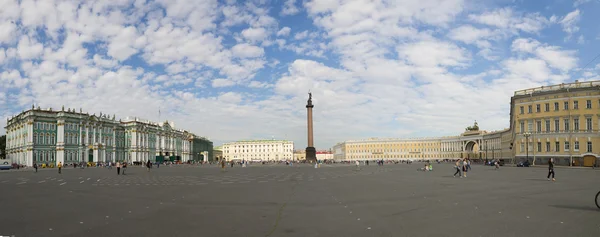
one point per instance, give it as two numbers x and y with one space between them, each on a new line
506 18
569 22
255 34
29 48
222 82
285 31
289 8
434 53
556 57
245 50
7 31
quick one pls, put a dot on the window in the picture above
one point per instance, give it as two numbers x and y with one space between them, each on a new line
576 124
537 108
34 138
530 126
547 107
547 146
522 110
589 146
555 106
522 147
567 125
588 104
557 146
567 146
556 125
529 109
575 104
576 146
539 126
539 147
548 125
566 105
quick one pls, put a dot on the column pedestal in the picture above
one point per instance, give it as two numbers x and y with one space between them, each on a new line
311 154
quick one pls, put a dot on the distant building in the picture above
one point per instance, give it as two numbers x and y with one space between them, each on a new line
259 150
47 136
324 155
218 153
559 121
300 155
202 149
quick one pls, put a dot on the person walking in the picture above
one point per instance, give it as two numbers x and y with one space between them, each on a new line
118 165
59 167
457 167
124 167
148 165
465 167
551 169
35 166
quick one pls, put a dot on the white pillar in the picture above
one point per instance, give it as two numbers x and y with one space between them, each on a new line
60 143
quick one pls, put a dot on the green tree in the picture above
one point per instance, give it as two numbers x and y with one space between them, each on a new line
3 147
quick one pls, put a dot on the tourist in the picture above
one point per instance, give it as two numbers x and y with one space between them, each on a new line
118 168
35 166
457 167
551 169
148 165
124 166
465 167
59 167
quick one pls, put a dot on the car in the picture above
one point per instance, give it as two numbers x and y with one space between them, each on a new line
5 164
523 164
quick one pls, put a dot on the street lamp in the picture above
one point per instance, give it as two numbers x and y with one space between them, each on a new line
527 134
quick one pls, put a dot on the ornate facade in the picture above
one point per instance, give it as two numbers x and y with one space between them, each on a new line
46 136
560 121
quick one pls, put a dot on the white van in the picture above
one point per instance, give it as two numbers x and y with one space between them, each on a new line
5 164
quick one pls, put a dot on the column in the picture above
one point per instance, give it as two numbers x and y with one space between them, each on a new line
60 143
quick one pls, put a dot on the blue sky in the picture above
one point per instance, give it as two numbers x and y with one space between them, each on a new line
233 70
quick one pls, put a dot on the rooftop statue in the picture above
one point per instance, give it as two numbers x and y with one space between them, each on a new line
473 128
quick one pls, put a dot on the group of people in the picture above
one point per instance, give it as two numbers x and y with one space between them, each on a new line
462 166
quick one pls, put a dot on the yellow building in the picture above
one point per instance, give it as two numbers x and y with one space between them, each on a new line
558 121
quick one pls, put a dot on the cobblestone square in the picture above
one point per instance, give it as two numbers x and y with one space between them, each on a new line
277 200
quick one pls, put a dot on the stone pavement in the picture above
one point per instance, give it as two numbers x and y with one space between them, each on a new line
335 200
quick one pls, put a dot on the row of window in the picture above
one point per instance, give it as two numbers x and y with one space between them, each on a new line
566 144
45 126
588 105
566 127
260 150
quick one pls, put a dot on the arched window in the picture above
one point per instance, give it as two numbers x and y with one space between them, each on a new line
48 137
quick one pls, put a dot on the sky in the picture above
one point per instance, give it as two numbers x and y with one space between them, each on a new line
233 70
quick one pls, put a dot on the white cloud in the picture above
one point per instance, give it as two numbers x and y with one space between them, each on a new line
581 39
289 8
580 2
469 34
122 45
7 32
434 53
222 82
556 57
29 48
255 34
285 31
2 56
507 19
569 22
245 50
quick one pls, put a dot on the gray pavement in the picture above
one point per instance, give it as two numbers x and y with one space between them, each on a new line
334 200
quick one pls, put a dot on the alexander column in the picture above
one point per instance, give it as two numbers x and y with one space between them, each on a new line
311 152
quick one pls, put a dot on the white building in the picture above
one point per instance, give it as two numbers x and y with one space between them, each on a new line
46 136
263 150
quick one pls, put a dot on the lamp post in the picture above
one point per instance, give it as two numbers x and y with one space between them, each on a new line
527 134
486 151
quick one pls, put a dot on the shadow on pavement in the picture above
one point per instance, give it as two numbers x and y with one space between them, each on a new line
583 208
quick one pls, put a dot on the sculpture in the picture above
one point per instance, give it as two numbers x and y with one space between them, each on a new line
309 98
473 128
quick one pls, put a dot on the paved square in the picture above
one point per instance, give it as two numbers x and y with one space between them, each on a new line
335 200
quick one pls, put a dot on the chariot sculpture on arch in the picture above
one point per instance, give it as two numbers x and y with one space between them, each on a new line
475 127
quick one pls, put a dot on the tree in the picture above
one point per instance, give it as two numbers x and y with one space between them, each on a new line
3 147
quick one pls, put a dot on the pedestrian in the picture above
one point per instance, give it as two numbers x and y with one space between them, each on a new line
118 165
457 168
465 167
148 165
469 164
35 166
551 169
124 166
59 167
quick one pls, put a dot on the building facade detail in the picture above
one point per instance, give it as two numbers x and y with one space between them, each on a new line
46 136
258 150
560 121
